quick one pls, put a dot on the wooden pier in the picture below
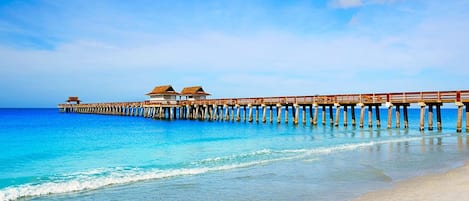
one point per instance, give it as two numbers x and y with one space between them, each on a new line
271 108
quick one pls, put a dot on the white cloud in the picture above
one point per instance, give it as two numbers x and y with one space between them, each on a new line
346 3
357 3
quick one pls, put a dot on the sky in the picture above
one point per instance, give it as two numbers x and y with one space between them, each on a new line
111 50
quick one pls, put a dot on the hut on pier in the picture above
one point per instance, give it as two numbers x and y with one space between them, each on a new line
163 93
73 99
194 93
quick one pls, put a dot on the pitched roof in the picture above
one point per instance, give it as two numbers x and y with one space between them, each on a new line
195 90
163 90
72 98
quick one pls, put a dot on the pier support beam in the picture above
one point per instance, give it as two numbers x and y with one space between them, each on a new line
467 116
244 113
337 114
304 114
398 116
250 112
311 114
430 117
153 113
422 116
362 114
286 113
316 111
406 117
196 114
212 112
264 112
354 122
331 115
271 115
345 116
257 113
279 112
323 113
170 113
459 118
370 116
238 113
378 117
438 117
227 112
389 106
295 113
205 112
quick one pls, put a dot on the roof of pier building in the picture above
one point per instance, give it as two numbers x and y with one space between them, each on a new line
194 90
163 90
72 99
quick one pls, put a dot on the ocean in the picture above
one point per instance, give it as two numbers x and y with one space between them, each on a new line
47 155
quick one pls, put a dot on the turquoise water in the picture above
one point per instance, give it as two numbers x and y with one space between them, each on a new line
47 155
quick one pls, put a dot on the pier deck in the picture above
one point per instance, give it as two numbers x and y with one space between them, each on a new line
230 108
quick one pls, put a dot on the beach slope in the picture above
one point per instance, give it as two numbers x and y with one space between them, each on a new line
451 185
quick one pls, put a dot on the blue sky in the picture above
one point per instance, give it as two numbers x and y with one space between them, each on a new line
118 50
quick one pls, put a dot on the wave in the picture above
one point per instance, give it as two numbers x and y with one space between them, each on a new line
234 157
345 147
88 181
101 177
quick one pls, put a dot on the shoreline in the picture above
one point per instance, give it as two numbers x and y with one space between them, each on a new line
449 185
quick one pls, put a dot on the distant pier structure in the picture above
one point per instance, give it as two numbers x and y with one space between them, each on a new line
192 104
69 101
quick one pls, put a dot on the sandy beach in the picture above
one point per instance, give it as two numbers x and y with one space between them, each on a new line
451 185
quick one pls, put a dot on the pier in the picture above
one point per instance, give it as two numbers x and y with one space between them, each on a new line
274 109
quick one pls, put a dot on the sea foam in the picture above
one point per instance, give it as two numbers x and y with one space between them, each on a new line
101 177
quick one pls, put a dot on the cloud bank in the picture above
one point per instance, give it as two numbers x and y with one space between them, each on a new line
427 53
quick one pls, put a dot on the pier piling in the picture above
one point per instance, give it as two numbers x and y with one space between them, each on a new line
286 114
250 113
264 112
257 113
459 118
271 116
430 117
370 116
345 116
337 115
467 116
422 116
390 106
279 112
362 114
398 116
304 114
323 113
378 118
406 117
316 111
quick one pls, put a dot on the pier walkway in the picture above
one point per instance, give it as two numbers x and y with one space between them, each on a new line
271 108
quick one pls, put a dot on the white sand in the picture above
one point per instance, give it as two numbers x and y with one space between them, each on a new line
452 185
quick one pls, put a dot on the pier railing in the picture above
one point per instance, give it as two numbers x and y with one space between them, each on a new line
375 98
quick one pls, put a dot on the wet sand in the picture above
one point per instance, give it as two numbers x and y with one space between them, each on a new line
451 185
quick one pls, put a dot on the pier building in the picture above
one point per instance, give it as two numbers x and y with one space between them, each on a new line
73 99
163 93
194 93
